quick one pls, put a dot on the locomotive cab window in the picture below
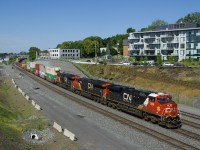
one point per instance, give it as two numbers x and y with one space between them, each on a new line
151 99
163 100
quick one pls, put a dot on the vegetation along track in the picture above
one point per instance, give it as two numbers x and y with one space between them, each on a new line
162 137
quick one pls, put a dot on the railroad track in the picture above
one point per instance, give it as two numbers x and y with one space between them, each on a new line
188 134
162 137
190 115
191 123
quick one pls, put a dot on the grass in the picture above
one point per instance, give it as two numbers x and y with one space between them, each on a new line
14 111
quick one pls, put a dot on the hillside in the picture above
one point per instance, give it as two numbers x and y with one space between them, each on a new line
182 83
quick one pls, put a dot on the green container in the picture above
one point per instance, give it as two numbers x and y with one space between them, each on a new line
50 76
32 69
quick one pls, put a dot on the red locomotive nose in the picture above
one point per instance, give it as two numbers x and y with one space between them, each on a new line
170 109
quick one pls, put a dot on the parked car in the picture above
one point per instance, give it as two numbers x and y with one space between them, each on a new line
167 64
178 65
126 63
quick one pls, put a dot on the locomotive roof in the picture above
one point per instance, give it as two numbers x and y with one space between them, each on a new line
71 76
97 83
115 87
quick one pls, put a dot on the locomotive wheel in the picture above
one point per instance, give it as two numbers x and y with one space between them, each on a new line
153 120
114 106
146 118
168 123
109 105
103 101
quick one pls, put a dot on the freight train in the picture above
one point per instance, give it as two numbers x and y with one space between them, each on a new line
152 106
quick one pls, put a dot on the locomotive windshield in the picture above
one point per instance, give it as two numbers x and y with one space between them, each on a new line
163 100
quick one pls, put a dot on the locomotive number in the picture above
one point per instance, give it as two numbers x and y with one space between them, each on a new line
90 86
127 97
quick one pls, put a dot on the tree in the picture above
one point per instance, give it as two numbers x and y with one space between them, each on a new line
153 25
130 30
141 60
145 60
158 22
32 53
159 60
171 59
103 53
191 17
115 41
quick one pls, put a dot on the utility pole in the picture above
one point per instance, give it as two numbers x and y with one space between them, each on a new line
95 50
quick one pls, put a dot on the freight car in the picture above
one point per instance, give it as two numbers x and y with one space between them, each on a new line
155 107
32 67
42 72
51 73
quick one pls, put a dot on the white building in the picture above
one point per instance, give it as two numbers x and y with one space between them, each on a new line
44 55
64 53
179 40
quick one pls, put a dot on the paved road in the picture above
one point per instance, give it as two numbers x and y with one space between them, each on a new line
69 115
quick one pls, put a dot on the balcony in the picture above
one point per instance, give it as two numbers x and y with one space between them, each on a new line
198 47
167 52
146 37
149 53
133 37
155 42
139 43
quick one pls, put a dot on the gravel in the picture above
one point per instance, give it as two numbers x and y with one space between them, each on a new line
44 136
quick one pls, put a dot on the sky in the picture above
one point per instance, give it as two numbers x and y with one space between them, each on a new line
46 23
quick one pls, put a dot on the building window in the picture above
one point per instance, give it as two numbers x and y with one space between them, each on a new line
182 45
182 39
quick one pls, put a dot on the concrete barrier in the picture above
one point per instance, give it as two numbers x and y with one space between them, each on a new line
57 127
37 107
16 86
27 97
70 135
33 102
19 90
13 81
23 93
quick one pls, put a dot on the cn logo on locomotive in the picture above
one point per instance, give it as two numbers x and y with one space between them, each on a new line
90 86
127 97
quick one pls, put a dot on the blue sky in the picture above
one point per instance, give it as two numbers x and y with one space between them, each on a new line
46 23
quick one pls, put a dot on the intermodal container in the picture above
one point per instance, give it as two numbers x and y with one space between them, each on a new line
28 66
24 66
51 73
32 67
42 71
37 69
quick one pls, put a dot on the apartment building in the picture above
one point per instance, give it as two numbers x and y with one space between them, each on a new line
179 40
64 53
